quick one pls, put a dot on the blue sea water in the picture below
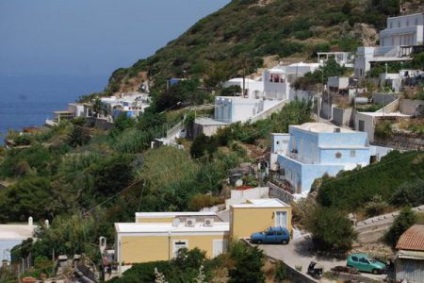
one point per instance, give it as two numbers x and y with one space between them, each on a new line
29 100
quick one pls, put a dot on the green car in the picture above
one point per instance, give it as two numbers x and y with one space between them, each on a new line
365 263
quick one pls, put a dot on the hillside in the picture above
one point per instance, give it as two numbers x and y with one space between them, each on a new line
250 33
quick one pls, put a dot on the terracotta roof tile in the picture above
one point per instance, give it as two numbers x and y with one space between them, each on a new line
412 239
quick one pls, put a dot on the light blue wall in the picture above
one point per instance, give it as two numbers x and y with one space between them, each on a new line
6 246
347 156
311 172
301 176
312 154
357 139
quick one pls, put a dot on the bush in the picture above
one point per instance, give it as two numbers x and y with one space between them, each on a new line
383 129
406 219
248 264
199 201
331 229
376 206
409 193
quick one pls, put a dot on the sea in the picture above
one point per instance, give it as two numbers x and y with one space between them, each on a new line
28 100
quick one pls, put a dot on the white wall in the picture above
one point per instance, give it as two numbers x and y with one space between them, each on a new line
240 196
368 121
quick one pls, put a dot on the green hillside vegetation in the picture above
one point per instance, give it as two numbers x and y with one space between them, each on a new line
83 180
396 180
243 33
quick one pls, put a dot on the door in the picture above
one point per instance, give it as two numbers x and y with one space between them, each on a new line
177 245
219 247
281 219
270 237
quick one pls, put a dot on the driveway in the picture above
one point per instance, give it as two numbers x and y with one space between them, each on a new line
298 253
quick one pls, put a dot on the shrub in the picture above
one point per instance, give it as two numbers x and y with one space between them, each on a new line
383 129
376 206
199 201
331 229
406 219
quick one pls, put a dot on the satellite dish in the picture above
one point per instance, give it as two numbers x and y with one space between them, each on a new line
239 183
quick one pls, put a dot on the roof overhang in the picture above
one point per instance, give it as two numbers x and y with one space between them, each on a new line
406 254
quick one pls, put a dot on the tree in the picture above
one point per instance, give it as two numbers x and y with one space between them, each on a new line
248 264
331 229
418 60
79 136
406 219
202 145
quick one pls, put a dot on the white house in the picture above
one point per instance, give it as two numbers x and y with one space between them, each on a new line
132 104
231 109
403 30
342 58
12 235
274 84
396 42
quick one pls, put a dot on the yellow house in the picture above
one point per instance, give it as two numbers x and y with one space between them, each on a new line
256 215
159 235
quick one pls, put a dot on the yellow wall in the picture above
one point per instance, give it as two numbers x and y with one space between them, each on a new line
143 249
164 219
136 249
248 220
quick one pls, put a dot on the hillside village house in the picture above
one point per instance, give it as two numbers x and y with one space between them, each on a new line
311 150
238 109
12 235
132 104
409 263
274 83
159 235
397 41
261 97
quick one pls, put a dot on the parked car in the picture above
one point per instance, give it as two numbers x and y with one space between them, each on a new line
272 235
365 263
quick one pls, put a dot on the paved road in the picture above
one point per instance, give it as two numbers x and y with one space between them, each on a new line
297 253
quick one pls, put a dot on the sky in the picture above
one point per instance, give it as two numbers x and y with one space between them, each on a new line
90 37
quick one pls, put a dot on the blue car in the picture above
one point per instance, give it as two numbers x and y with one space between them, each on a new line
272 235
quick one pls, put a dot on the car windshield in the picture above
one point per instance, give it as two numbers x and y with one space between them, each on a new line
372 260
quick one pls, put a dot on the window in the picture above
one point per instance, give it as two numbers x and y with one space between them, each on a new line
363 260
361 126
352 153
354 258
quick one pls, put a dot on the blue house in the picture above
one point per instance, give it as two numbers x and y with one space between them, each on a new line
313 149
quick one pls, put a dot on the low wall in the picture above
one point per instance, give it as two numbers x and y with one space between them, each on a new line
409 106
402 141
239 196
268 112
277 192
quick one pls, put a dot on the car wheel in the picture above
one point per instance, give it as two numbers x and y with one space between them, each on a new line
375 271
284 242
258 242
